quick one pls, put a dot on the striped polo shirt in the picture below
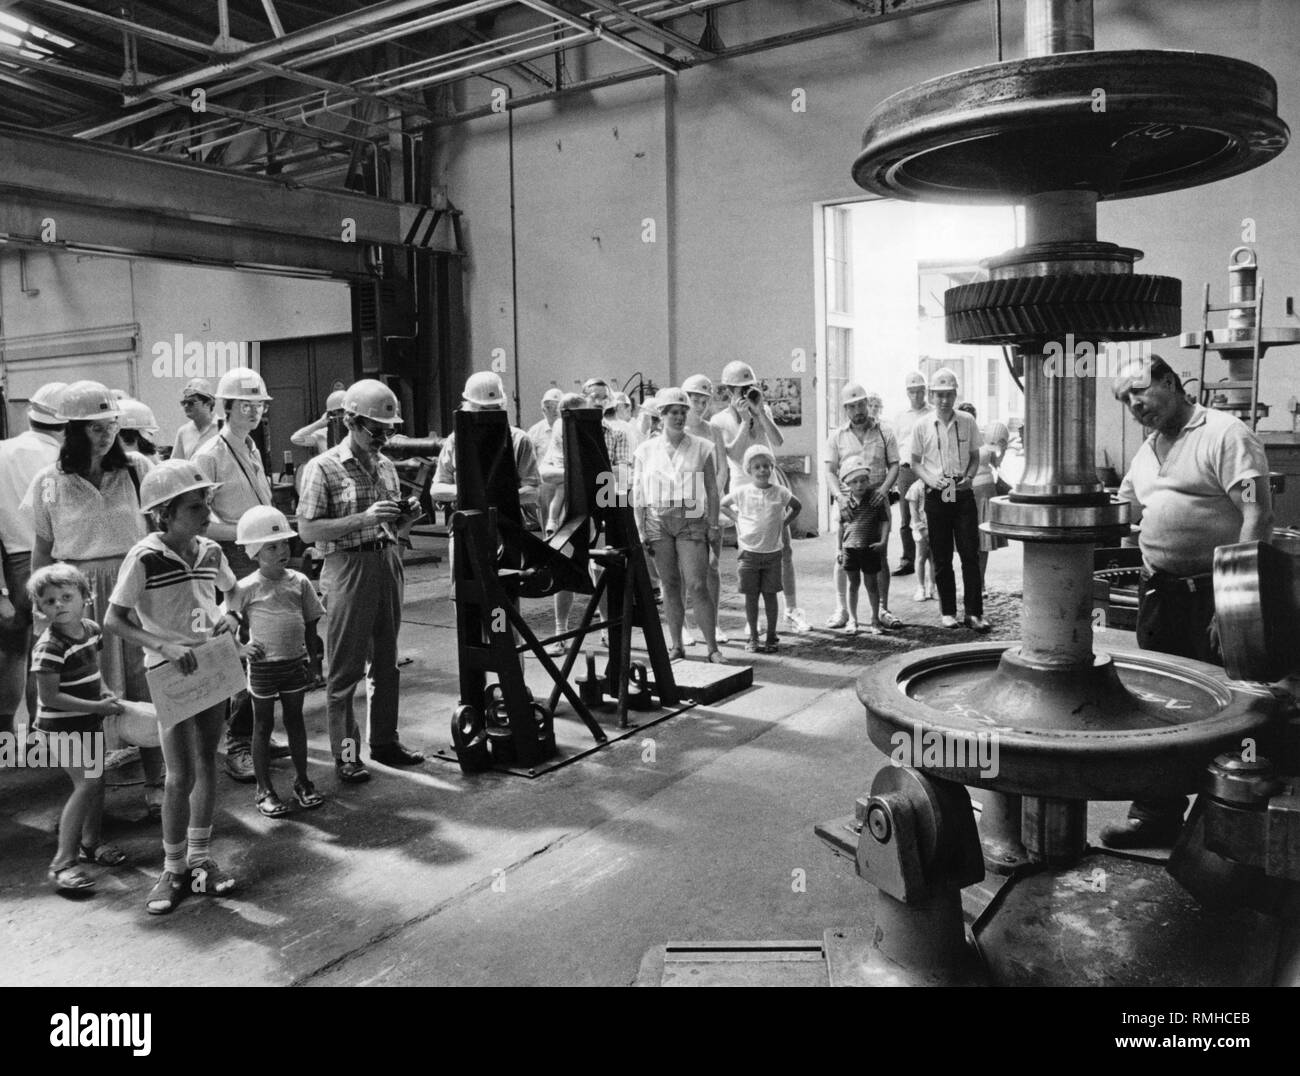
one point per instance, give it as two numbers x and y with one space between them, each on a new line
170 597
76 662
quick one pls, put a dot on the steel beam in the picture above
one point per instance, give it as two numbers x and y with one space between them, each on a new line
41 168
601 33
660 33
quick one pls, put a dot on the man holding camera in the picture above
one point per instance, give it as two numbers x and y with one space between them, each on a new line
747 421
351 505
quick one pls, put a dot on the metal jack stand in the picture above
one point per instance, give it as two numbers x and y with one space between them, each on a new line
496 561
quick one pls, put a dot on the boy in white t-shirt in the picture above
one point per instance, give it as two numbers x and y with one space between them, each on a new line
760 511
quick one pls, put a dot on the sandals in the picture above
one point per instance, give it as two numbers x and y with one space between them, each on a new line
71 879
166 893
105 855
716 658
753 646
269 805
676 652
304 792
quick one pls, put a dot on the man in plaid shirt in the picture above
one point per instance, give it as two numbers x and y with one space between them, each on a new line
350 505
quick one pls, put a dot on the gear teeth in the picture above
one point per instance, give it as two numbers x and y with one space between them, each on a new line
1100 306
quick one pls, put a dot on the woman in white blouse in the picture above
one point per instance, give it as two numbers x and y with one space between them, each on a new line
675 500
86 508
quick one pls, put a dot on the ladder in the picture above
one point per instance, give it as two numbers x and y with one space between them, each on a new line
1206 392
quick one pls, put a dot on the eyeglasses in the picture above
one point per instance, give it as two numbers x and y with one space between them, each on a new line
250 406
375 430
103 427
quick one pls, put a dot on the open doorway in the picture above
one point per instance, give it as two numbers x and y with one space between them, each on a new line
883 267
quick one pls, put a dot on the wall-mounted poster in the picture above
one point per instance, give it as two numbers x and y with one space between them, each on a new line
784 396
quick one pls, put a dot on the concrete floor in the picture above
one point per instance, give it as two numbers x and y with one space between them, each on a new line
700 827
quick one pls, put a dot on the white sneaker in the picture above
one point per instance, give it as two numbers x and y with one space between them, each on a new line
838 618
794 620
687 638
920 595
929 592
721 636
948 621
850 627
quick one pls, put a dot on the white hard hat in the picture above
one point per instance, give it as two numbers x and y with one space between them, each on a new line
698 383
853 465
671 397
852 393
915 380
738 374
374 400
137 416
259 525
943 379
169 480
85 401
552 395
241 383
334 401
754 452
197 386
44 404
484 389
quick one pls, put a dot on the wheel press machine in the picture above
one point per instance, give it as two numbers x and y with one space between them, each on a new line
1069 721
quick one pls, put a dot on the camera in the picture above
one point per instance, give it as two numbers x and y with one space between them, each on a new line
410 506
754 395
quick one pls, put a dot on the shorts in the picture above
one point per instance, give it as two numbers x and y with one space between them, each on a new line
271 679
760 573
859 559
72 723
679 524
15 636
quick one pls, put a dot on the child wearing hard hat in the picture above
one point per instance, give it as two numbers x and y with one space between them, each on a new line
165 601
280 608
864 536
761 510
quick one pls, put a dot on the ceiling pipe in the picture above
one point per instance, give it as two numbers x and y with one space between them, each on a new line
274 50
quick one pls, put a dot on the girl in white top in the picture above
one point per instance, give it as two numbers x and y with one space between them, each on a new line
675 500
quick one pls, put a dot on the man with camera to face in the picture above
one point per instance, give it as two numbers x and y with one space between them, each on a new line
352 506
747 421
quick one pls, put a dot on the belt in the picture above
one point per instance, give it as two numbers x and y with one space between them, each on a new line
368 547
1190 583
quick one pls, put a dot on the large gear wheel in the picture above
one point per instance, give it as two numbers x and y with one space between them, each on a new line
1025 310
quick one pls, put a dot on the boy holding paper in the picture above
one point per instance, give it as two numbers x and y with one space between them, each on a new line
168 581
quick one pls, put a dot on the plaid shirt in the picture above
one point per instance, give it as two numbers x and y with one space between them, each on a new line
335 485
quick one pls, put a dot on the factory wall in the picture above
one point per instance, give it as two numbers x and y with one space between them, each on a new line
180 312
728 171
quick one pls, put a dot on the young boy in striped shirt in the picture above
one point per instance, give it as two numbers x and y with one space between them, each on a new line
73 701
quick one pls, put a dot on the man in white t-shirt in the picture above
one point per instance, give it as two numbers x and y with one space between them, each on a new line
21 458
198 401
1199 481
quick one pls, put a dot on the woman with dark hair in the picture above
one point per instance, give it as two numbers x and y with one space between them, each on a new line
87 514
136 430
